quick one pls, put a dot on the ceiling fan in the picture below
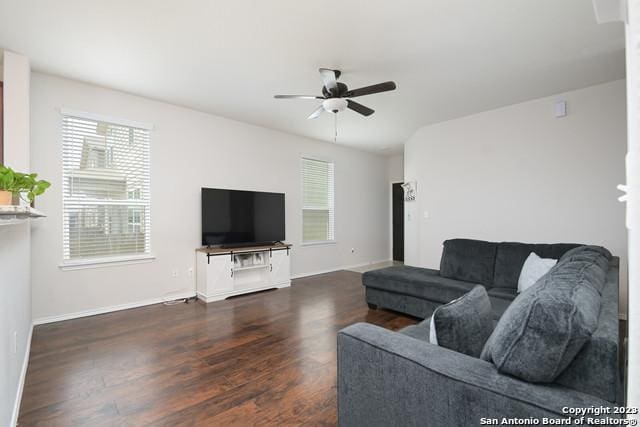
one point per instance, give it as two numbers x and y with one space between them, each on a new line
336 96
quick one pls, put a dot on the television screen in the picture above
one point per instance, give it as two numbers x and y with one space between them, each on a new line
233 217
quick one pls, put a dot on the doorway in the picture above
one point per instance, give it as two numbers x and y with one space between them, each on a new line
397 221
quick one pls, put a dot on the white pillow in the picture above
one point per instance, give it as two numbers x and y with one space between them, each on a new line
433 338
533 269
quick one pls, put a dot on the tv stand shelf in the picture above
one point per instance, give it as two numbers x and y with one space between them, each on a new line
214 251
225 272
250 267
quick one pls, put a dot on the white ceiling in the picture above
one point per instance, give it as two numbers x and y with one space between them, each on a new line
449 58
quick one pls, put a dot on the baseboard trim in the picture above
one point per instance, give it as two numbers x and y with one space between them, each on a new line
110 309
344 267
23 376
189 294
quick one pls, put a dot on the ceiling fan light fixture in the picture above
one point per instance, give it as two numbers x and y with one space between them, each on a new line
334 105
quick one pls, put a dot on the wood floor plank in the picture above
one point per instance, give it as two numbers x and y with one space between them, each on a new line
260 359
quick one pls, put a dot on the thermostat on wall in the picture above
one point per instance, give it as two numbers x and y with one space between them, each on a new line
561 108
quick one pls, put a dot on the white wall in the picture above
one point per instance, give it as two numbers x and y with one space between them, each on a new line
15 265
17 75
395 165
520 174
191 150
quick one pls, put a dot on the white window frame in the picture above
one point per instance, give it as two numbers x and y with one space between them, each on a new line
333 241
107 261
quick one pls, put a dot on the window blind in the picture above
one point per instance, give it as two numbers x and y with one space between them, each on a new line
318 214
106 194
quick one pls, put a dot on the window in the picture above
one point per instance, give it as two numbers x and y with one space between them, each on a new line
317 201
106 200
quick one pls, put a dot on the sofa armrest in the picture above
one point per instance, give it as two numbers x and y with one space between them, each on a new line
387 378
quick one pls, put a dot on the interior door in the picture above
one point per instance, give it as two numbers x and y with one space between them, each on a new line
398 222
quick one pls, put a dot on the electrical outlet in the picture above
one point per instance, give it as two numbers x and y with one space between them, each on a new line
190 272
174 272
14 342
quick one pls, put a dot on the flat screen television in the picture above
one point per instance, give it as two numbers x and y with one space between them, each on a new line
238 218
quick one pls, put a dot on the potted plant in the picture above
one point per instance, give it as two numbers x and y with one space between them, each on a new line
7 185
14 185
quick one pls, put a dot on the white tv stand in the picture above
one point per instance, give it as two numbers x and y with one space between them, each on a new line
225 272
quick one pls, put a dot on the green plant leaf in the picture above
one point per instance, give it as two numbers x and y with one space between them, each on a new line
19 183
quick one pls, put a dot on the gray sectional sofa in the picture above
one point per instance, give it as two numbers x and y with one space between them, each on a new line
388 378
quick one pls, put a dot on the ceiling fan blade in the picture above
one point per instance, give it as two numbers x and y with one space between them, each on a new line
369 90
359 108
330 79
297 97
316 113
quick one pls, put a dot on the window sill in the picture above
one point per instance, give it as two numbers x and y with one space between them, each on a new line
105 262
319 243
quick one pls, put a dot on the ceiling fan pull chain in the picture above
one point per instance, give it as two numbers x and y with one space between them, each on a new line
335 126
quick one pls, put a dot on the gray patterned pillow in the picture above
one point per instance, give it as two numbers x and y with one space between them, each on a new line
464 324
544 328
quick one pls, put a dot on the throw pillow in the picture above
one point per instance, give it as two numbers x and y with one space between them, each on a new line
433 337
464 324
544 328
587 250
533 269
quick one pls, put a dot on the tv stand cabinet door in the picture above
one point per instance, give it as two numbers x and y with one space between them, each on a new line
280 268
219 275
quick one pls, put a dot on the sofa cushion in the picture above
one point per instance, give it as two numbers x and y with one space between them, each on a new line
464 324
413 306
499 306
505 293
418 282
595 368
510 257
544 328
419 331
468 260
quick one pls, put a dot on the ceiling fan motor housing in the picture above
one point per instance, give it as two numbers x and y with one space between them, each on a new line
338 91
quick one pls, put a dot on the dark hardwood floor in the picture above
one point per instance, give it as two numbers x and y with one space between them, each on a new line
261 359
